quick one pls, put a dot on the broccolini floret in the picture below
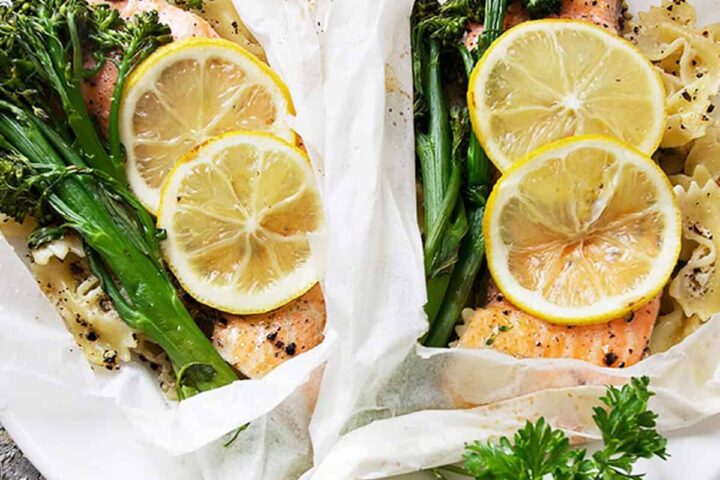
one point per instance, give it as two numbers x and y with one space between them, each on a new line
542 8
47 44
448 21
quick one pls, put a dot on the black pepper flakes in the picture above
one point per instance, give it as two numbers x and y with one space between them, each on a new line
609 358
76 269
290 349
106 305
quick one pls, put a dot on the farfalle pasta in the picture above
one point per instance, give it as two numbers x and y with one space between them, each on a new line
692 286
696 285
705 152
672 328
686 56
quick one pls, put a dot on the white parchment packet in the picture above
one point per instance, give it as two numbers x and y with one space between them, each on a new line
411 394
41 367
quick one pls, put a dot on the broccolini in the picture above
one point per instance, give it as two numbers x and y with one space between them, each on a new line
55 166
455 171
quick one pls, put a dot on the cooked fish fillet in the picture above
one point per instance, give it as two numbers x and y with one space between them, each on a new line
604 13
502 326
255 344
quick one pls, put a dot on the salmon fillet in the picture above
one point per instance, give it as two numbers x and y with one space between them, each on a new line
604 13
98 90
255 344
504 327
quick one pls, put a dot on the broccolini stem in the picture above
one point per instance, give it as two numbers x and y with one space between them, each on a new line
434 233
134 53
471 256
472 249
115 145
434 153
436 288
437 171
478 165
495 11
64 73
132 274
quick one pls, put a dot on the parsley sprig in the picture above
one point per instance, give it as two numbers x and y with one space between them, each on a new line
537 451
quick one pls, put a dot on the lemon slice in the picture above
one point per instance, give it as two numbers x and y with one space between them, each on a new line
187 92
238 212
582 230
550 79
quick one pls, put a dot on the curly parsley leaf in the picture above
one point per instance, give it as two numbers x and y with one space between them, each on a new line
537 451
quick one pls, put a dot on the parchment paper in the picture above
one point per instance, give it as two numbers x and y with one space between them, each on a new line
347 65
43 375
388 406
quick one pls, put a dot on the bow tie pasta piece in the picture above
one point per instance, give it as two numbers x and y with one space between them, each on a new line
96 327
705 152
672 328
701 175
696 287
687 57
